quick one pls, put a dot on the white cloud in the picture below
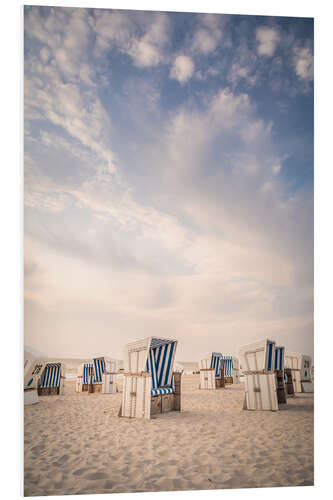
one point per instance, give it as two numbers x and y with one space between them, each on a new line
204 41
214 243
303 60
208 34
182 69
268 39
120 30
276 168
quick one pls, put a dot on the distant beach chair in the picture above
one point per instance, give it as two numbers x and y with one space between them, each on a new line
257 361
105 373
212 371
33 368
150 385
52 380
299 366
83 379
230 366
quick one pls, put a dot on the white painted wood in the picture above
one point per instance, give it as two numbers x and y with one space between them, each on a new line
136 397
30 397
205 362
33 369
235 370
62 379
79 378
109 383
296 376
300 365
307 386
207 379
253 357
292 360
260 392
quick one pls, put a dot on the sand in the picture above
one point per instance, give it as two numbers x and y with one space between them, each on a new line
76 444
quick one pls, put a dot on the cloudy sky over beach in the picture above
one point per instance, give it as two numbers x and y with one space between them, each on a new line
168 180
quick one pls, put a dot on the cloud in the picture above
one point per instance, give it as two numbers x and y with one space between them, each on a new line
267 38
143 218
120 30
182 69
303 60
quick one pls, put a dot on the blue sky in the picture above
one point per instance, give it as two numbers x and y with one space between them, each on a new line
168 180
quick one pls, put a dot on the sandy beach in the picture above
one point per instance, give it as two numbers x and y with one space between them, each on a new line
76 444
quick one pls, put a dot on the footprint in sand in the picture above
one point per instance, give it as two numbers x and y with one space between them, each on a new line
108 485
96 475
79 472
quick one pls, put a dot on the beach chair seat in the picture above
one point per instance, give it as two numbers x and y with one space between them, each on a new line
162 390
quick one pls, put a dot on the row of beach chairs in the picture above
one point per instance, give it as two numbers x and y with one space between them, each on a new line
152 386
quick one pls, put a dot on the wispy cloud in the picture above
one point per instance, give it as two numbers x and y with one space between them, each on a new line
268 39
157 206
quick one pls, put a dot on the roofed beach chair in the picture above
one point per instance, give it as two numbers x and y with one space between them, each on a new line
211 371
257 363
85 370
105 371
150 385
227 369
33 368
300 367
52 380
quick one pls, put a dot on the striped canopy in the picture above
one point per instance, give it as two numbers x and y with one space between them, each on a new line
160 362
216 363
88 373
227 365
99 369
51 375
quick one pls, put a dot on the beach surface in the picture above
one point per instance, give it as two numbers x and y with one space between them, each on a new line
77 444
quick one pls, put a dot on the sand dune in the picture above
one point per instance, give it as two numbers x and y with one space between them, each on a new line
77 444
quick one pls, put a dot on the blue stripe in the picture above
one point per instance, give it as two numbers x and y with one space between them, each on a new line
51 375
158 351
162 366
153 368
160 358
270 352
169 364
164 390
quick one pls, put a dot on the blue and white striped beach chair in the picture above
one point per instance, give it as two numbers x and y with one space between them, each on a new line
150 386
105 371
52 379
263 385
211 371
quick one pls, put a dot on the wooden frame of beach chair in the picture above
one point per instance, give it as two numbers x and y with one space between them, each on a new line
211 371
227 369
33 368
257 362
150 385
300 366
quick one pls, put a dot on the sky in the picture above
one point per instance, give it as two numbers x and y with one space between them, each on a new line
168 180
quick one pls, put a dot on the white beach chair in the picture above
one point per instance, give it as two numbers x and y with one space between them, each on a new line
150 386
257 363
300 366
211 371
